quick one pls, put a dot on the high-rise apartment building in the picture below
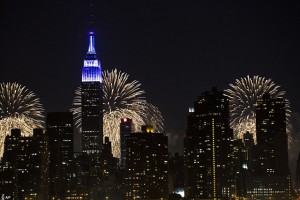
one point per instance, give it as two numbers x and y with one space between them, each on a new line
146 173
208 148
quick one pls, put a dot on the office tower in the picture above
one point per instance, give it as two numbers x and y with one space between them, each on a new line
125 130
271 177
146 174
208 148
91 98
60 134
24 166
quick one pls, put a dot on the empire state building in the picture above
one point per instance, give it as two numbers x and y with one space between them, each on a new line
91 98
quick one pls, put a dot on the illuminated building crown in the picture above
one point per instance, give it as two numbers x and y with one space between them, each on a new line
91 70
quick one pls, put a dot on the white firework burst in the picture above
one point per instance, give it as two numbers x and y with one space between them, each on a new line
243 95
121 99
19 108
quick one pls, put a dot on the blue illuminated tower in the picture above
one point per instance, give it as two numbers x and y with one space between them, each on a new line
91 95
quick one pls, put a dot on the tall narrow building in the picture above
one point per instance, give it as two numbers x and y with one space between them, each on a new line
125 130
208 148
92 116
91 98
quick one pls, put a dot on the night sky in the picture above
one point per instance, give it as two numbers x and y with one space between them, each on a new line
176 49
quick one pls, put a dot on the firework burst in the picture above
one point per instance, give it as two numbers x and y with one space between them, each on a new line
243 95
121 99
19 108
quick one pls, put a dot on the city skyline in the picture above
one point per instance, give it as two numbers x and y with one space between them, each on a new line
171 48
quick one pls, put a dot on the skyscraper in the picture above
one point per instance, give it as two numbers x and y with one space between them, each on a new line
146 173
91 98
92 115
271 135
60 134
271 176
208 148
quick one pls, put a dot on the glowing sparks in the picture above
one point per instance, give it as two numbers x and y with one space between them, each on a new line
19 108
121 99
243 95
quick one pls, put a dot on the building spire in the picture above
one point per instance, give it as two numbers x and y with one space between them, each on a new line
91 49
91 70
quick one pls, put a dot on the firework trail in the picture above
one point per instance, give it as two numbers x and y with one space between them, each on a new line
121 99
243 95
19 108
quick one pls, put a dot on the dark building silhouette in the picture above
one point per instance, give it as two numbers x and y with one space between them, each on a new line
249 145
176 174
24 170
146 174
109 166
60 134
125 130
271 175
208 148
298 174
240 167
248 140
108 162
